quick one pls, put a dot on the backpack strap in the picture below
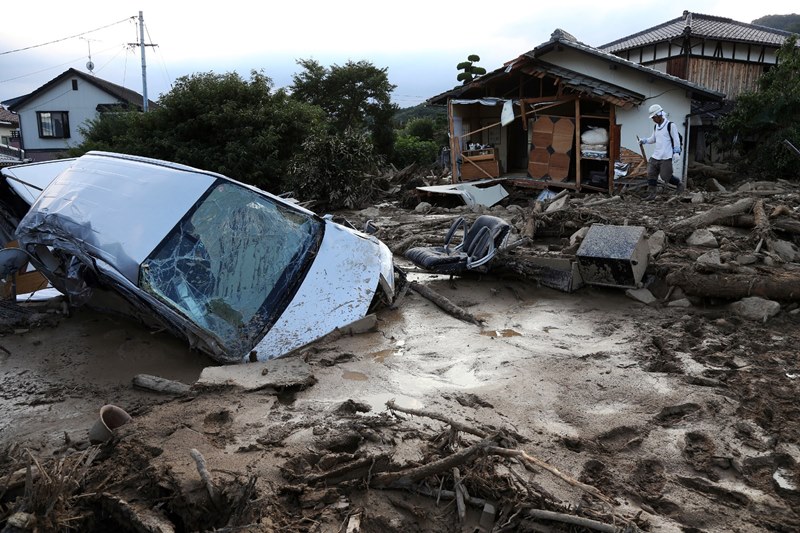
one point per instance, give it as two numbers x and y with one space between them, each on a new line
669 132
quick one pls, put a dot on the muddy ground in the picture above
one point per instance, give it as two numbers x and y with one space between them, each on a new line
590 405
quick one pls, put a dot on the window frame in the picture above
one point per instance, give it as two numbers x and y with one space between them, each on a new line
64 115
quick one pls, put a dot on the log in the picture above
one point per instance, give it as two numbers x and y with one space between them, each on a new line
404 478
776 285
136 516
748 221
575 520
443 303
162 385
713 215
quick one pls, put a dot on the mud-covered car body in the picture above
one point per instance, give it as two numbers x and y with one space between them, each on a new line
238 272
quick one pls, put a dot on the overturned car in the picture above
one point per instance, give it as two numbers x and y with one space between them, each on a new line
238 272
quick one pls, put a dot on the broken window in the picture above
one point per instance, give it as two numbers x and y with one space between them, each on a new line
234 263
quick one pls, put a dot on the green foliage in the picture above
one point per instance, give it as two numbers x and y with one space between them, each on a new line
780 22
762 119
333 169
405 115
410 149
356 95
470 70
217 122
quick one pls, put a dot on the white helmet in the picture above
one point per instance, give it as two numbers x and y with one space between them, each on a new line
655 109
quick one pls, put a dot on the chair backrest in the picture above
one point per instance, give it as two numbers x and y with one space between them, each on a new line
486 235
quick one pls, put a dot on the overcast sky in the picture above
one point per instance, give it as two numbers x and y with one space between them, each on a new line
419 42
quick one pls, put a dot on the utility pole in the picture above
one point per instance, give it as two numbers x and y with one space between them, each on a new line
144 62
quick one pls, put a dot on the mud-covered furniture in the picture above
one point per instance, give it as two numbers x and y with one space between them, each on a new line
479 245
479 164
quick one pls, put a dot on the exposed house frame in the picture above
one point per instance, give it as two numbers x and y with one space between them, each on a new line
525 121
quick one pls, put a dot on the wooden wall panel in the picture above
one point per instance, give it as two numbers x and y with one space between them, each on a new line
724 76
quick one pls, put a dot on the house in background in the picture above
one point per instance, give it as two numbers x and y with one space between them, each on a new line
10 154
561 115
718 53
50 116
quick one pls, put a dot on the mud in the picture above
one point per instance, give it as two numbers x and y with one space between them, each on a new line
685 418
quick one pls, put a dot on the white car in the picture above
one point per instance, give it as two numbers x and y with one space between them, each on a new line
238 272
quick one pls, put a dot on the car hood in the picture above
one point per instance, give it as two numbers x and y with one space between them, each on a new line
350 268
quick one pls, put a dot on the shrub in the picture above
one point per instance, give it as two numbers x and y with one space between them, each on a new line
334 169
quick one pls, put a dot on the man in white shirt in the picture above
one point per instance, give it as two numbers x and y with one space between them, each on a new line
666 155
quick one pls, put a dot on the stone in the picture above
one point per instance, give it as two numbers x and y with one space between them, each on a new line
704 238
656 242
578 236
785 250
370 212
423 207
747 259
277 374
641 295
696 198
710 258
756 308
683 302
557 205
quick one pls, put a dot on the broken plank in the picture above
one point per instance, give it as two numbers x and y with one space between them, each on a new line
443 303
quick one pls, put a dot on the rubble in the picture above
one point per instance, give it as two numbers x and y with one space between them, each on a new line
594 411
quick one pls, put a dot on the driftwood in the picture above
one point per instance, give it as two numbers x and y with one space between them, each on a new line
443 303
575 520
748 221
603 201
520 454
205 476
405 478
460 491
713 215
136 517
157 384
506 452
774 285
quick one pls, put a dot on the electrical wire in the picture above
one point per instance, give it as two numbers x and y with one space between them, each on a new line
66 38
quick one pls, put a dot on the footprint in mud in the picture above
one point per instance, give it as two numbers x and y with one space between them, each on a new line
673 414
649 478
698 450
597 474
620 438
217 421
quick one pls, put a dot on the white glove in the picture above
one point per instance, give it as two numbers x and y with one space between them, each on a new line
675 159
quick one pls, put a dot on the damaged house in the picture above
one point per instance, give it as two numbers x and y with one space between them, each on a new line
561 115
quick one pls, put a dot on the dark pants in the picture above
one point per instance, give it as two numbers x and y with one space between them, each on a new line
662 168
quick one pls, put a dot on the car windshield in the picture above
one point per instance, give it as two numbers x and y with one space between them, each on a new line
234 263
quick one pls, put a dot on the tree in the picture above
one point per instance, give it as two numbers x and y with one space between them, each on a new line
334 169
470 71
217 122
762 119
356 95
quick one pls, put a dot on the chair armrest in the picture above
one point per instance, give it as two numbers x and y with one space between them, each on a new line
459 222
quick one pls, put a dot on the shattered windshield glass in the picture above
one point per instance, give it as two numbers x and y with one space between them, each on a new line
233 265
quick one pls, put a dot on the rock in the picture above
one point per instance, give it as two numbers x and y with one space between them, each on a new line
578 236
280 373
656 242
696 198
747 259
370 212
756 308
683 302
785 250
641 295
423 207
514 208
557 205
702 237
710 258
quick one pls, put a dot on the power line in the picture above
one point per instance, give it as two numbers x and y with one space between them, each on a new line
66 38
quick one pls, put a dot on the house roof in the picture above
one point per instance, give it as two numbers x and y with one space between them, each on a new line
562 38
532 63
7 117
701 26
117 91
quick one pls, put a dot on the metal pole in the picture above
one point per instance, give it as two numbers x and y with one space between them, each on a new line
144 63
